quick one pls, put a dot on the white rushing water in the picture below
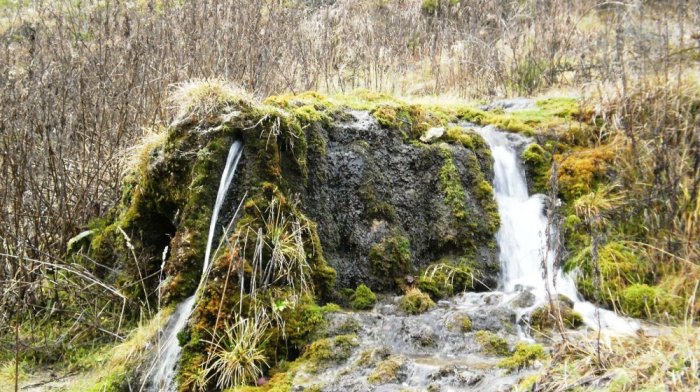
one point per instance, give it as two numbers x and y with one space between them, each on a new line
163 375
522 239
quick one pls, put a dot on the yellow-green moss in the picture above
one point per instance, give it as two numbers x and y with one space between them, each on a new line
446 277
537 163
363 298
523 357
325 352
416 302
492 343
374 206
460 323
452 188
391 258
409 119
459 135
544 318
550 113
619 267
641 300
581 170
386 371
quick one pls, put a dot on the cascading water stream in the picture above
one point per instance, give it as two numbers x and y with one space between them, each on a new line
522 241
163 375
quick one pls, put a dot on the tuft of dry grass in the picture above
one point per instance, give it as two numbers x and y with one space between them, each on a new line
238 354
668 360
202 100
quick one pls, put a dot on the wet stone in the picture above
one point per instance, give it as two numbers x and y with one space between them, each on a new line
525 299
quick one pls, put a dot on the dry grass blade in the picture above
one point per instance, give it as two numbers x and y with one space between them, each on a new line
238 357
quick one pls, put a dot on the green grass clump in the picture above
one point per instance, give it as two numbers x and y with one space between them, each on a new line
443 279
416 302
492 343
363 298
386 371
523 357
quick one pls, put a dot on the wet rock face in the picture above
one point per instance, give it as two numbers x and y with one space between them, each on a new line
380 206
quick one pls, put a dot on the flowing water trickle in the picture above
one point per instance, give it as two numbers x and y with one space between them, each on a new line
522 240
163 375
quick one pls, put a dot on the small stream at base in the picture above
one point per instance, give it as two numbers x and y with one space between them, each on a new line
522 241
434 353
161 378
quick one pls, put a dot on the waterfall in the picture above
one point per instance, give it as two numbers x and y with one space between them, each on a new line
522 240
163 374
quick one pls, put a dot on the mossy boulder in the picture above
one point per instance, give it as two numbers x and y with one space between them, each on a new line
387 371
325 352
388 205
523 356
547 316
492 344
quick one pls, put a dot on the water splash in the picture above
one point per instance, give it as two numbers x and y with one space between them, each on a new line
163 375
522 240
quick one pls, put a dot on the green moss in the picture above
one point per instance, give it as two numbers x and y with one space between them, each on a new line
492 343
363 298
452 188
527 383
461 323
549 114
641 300
308 114
391 257
412 121
581 170
618 266
349 326
374 206
416 302
537 163
325 352
523 357
458 135
562 107
484 190
443 279
386 371
544 318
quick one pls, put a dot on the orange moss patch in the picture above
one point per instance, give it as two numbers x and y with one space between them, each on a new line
580 170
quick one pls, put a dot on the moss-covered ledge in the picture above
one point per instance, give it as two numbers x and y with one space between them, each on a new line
340 187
